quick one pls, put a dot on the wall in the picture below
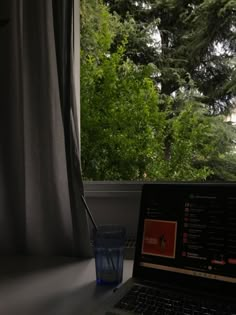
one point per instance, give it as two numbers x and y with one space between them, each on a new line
115 203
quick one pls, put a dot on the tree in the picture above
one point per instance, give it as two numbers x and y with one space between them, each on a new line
131 129
121 131
195 54
198 42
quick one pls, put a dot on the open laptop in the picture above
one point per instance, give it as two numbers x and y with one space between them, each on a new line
185 260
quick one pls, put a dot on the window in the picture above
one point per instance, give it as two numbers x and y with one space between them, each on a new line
157 90
158 85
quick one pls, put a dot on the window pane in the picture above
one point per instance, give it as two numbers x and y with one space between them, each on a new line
158 86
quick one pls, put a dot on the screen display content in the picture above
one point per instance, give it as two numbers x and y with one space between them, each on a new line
191 232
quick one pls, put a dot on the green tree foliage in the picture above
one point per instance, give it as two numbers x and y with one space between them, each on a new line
122 128
133 127
198 42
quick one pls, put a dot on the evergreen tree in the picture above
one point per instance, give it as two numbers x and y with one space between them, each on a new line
198 44
143 115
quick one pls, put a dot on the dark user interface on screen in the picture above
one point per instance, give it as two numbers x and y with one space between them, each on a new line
192 230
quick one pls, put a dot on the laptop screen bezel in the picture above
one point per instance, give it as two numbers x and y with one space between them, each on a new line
174 278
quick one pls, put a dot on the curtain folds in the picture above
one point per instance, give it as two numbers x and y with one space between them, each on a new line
40 179
65 32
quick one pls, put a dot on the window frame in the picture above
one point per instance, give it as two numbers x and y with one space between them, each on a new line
113 202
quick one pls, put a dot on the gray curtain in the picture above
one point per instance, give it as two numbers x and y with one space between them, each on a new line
40 181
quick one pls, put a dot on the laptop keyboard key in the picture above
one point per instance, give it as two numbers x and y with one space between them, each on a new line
150 301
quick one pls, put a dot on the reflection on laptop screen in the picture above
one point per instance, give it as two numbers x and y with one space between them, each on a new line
190 229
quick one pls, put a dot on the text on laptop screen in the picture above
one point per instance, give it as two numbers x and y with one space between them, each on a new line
190 230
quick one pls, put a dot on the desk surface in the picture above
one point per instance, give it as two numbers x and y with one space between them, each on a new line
51 286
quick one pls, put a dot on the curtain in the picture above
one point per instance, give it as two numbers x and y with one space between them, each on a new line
40 180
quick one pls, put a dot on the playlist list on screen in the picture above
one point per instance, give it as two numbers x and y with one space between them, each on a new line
209 230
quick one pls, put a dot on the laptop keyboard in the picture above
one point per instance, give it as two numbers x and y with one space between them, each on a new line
152 301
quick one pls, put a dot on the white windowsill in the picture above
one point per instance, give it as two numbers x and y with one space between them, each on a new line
115 203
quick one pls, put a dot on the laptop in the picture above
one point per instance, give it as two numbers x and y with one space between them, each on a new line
185 260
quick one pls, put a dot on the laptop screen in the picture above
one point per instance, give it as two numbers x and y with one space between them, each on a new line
189 229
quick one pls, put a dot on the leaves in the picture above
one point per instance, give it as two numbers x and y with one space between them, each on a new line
147 111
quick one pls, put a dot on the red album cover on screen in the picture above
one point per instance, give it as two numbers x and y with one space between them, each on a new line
159 238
